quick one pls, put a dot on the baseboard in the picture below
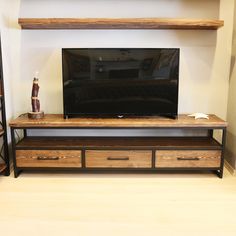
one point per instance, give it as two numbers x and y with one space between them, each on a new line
231 170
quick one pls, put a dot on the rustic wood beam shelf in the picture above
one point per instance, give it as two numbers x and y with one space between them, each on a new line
120 23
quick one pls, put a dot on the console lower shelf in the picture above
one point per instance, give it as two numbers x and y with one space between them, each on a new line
118 142
110 152
86 154
3 167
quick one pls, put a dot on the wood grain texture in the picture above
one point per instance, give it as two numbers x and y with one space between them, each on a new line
119 23
118 142
57 120
2 167
36 115
187 158
118 159
1 132
45 158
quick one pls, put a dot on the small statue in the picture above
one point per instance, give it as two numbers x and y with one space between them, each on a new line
36 113
34 97
199 116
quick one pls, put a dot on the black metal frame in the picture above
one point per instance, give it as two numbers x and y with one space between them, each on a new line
4 154
83 169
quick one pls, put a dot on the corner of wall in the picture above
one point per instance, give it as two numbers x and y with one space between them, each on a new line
231 108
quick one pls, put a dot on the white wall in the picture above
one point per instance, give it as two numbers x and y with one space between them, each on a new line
205 55
231 114
120 8
10 40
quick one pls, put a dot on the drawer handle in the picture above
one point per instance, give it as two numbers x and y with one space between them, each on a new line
188 159
41 158
118 158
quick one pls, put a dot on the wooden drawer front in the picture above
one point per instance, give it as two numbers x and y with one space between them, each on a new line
48 158
188 158
118 159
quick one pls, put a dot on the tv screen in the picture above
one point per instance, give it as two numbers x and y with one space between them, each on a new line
120 82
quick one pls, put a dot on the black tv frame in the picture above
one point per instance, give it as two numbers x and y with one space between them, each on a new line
120 115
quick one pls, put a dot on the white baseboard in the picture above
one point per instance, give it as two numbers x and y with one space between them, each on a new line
231 170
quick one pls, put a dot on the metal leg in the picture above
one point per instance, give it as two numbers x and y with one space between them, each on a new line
83 158
25 133
220 172
6 154
16 172
153 158
13 141
210 133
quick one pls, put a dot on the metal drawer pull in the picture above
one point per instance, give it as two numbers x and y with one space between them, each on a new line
188 159
41 158
118 158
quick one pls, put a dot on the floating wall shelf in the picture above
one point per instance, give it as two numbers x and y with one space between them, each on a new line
119 23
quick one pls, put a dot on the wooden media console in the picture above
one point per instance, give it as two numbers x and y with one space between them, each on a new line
89 154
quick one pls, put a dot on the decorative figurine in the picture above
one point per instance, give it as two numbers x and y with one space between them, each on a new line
199 116
36 113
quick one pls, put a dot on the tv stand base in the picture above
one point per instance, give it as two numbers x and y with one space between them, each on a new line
119 154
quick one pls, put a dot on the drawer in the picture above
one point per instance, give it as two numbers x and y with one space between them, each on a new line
187 158
48 158
118 159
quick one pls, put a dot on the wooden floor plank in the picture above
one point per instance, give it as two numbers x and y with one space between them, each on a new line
184 203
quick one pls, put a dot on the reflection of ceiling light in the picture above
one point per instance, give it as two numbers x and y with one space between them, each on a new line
100 69
100 58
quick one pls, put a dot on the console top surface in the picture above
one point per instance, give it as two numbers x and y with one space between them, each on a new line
58 121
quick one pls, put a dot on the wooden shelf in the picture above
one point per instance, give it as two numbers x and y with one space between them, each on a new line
119 23
118 142
57 120
1 132
2 167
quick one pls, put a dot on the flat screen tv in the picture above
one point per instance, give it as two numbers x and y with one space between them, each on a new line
120 82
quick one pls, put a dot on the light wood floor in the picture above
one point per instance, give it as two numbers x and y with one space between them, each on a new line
118 204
